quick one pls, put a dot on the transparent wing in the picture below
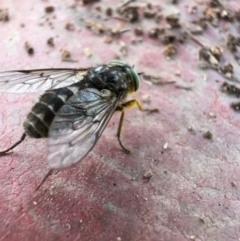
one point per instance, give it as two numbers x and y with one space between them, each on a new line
21 81
78 125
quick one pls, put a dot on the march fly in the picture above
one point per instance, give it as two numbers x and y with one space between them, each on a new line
75 108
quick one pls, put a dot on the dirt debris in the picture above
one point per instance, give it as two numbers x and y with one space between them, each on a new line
173 20
65 54
208 135
148 174
170 50
49 9
50 42
88 52
233 42
230 89
109 12
170 30
129 13
29 48
139 31
235 106
85 2
69 27
4 15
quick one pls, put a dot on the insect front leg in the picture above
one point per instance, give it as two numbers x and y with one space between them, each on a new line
14 145
128 104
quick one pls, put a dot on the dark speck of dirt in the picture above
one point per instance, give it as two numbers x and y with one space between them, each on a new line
173 20
233 184
138 31
50 42
149 11
214 3
201 220
208 135
129 13
70 27
29 48
228 70
154 32
109 12
230 89
232 42
89 1
4 16
167 39
98 9
49 9
236 106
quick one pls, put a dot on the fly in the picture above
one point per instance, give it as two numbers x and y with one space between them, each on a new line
75 108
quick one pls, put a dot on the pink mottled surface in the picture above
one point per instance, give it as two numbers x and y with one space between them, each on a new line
194 191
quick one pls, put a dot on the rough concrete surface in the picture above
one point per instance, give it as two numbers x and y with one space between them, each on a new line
182 178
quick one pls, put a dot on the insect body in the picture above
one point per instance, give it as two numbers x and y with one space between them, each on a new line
75 108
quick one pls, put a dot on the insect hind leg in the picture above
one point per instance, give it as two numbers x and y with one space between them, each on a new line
128 104
50 172
14 145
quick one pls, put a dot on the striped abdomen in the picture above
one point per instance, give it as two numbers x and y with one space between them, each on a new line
42 114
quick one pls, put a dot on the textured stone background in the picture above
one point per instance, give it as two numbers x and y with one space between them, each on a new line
193 193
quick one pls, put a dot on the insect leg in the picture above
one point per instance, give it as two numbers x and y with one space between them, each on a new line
132 103
121 107
14 145
119 132
44 179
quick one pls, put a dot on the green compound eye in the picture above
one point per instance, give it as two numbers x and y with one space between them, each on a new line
133 72
136 78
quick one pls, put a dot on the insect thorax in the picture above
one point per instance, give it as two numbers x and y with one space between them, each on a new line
114 78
